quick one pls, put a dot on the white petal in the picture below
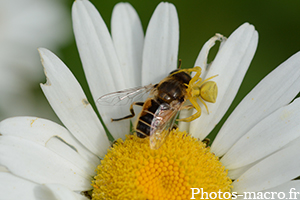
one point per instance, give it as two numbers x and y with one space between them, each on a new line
287 188
28 160
203 55
272 171
71 106
30 128
201 62
235 173
268 136
161 44
230 64
101 65
128 38
97 53
3 169
274 91
68 153
62 192
13 187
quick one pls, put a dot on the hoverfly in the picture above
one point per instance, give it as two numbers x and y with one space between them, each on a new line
166 99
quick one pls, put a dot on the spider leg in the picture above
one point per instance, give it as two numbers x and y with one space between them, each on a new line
194 116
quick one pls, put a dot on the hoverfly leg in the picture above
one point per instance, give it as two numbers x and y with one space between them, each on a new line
188 107
131 110
174 127
206 141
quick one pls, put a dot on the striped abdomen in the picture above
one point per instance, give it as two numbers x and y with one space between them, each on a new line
145 119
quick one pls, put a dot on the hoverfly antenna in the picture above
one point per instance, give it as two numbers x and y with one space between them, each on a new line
179 63
178 68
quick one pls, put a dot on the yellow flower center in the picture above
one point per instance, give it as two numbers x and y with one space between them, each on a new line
131 170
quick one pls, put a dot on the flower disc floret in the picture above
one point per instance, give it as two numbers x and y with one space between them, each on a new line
131 170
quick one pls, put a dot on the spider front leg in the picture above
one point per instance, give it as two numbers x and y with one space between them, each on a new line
194 116
196 78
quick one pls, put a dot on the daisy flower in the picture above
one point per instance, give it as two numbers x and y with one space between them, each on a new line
254 151
24 26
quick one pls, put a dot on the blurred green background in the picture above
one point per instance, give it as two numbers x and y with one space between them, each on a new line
277 22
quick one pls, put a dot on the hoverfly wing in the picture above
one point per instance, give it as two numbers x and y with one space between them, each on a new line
124 97
162 122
